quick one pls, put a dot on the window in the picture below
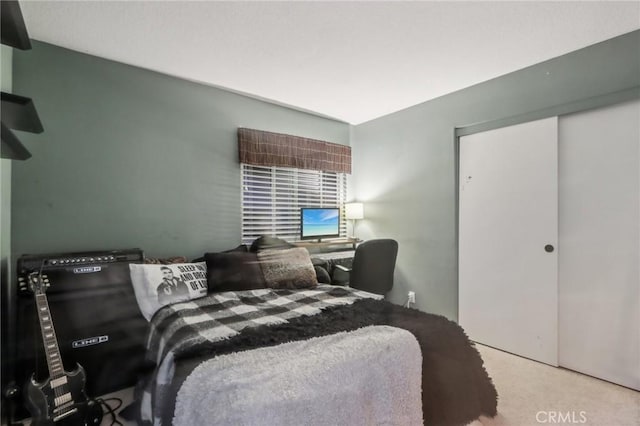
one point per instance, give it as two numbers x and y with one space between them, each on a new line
272 197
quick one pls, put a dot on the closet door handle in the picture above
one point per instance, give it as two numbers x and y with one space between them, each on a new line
549 248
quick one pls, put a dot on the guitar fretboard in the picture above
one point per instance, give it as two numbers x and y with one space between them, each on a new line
52 352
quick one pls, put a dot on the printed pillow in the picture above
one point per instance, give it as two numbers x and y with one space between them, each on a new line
287 268
158 285
233 271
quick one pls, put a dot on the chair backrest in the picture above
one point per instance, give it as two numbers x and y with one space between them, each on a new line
373 266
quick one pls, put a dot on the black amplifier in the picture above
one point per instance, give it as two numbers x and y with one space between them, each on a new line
95 315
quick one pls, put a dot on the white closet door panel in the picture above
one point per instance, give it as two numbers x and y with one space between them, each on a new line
599 222
508 213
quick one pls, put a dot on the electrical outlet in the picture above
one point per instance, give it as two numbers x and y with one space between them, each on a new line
412 297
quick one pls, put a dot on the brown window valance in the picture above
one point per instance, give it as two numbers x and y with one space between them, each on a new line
261 148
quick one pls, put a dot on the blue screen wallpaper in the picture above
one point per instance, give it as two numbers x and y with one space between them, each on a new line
321 222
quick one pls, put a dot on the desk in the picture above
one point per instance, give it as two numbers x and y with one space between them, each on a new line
310 244
334 255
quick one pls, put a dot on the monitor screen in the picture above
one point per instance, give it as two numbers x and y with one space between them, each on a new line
319 222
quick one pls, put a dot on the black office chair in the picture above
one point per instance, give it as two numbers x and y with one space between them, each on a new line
373 266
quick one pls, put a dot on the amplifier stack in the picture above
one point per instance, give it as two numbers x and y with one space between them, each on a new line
96 318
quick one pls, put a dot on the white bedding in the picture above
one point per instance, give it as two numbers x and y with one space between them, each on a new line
319 381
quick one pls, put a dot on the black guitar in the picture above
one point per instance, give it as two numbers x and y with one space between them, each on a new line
61 399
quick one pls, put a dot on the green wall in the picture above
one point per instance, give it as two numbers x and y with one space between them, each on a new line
405 163
5 239
134 158
5 177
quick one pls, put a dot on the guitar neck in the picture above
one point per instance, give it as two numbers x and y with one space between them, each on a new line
51 349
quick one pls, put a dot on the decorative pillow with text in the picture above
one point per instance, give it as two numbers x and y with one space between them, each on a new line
158 285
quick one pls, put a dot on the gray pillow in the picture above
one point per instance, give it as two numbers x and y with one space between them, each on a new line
287 268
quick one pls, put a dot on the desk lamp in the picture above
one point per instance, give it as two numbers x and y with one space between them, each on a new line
353 212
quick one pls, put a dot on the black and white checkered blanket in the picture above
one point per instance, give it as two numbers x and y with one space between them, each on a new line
182 328
456 389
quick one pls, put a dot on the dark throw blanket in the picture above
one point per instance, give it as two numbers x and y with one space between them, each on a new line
456 389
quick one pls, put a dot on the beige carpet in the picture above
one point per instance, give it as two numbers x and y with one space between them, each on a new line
528 389
532 393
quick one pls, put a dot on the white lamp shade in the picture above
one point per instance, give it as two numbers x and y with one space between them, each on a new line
354 211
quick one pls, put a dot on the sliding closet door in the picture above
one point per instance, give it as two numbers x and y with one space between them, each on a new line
508 230
599 293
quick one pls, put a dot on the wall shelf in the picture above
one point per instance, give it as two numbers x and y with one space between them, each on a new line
14 31
11 147
20 113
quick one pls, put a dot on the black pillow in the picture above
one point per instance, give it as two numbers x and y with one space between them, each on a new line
267 242
320 262
322 275
243 248
233 271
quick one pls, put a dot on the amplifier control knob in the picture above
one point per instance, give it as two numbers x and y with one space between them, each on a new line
11 391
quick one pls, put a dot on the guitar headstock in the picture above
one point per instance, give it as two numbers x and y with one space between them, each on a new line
37 282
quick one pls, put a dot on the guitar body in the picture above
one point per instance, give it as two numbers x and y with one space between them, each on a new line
64 404
61 399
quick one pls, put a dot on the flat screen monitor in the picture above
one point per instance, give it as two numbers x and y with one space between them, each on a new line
318 223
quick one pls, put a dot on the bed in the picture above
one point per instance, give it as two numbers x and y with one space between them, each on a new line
197 347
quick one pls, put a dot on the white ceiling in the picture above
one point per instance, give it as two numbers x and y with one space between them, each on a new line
354 61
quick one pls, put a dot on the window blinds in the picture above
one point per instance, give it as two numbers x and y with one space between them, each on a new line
272 197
